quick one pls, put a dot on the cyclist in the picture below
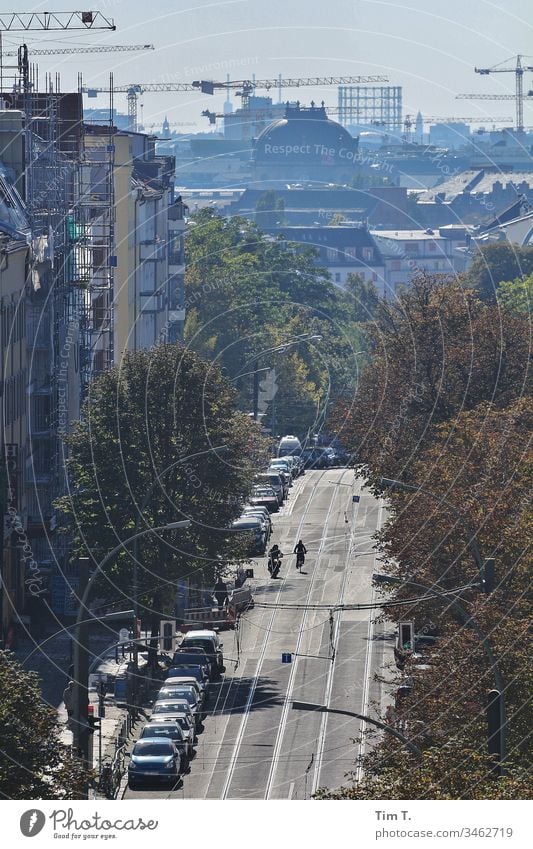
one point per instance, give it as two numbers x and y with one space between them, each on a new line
300 551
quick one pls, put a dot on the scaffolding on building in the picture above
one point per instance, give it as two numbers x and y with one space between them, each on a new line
92 224
371 106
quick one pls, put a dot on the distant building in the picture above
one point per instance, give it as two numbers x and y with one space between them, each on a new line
305 146
342 250
383 206
407 253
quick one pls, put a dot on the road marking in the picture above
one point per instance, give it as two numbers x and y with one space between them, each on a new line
291 790
331 671
368 664
253 686
292 676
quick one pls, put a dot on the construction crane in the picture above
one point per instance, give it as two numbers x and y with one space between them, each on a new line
101 48
247 87
26 21
29 21
518 70
132 91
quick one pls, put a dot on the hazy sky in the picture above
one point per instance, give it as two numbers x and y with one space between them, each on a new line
428 47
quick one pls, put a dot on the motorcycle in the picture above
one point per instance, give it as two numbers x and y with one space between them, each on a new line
274 565
300 560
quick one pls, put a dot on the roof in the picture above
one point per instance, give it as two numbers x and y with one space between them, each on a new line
409 235
476 181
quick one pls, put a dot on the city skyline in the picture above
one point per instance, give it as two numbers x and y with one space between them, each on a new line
426 51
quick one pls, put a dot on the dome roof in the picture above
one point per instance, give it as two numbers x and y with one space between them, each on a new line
305 136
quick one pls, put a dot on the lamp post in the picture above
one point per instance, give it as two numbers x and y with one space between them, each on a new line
277 349
81 660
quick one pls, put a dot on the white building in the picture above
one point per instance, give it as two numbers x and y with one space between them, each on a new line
407 253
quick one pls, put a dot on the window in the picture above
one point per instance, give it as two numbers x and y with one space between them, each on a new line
432 246
332 253
350 253
337 277
396 264
368 254
411 247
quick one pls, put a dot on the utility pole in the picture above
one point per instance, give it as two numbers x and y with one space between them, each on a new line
81 670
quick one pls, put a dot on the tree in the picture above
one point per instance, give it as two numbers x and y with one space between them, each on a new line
33 763
436 350
517 295
157 408
495 263
481 463
247 293
269 210
364 295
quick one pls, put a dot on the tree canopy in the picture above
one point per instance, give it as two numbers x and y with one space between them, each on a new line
33 763
445 406
130 466
247 293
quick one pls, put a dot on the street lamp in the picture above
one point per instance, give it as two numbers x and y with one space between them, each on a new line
277 349
81 660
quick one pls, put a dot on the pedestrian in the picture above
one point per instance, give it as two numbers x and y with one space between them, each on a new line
68 698
220 591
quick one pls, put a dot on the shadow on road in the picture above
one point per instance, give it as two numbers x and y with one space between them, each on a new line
231 696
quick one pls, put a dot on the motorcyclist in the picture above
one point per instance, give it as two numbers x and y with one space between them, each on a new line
300 551
274 560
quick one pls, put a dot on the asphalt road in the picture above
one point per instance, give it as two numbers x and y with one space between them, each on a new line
262 738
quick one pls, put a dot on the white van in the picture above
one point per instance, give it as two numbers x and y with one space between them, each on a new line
289 445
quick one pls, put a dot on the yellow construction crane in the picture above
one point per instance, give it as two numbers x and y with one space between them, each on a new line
518 70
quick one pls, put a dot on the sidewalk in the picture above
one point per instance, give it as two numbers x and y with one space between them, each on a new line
115 726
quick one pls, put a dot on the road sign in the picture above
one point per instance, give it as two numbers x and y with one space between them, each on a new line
286 657
356 498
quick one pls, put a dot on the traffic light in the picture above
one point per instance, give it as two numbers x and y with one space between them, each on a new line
167 635
406 636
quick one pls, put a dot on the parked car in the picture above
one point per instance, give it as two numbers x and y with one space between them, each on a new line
315 458
258 510
170 731
282 464
265 523
197 657
264 496
288 445
163 705
154 759
251 526
178 682
185 723
294 463
273 480
188 670
209 641
286 479
185 691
